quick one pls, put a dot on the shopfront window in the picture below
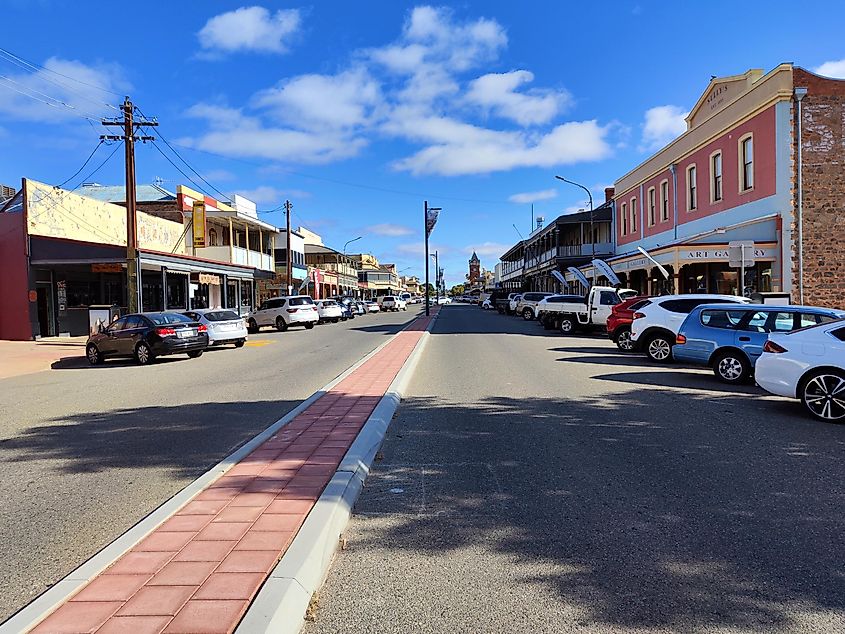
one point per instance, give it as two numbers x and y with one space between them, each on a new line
232 294
151 296
246 295
176 291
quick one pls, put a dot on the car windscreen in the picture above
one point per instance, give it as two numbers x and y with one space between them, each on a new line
329 302
162 319
300 301
221 315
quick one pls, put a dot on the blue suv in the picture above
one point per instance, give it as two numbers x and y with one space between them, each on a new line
730 338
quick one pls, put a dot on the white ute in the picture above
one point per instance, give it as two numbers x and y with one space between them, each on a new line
569 313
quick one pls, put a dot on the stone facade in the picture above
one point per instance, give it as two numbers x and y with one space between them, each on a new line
823 174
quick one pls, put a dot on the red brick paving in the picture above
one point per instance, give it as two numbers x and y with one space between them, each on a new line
199 570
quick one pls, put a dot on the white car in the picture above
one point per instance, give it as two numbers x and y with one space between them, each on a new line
372 307
513 302
444 300
487 305
807 364
328 310
657 322
392 302
283 312
224 325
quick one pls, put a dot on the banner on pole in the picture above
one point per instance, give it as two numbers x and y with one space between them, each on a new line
198 214
431 220
604 268
659 266
579 276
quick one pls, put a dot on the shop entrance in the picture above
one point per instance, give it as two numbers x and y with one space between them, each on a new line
46 315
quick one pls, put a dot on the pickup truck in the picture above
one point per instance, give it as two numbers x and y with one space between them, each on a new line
569 313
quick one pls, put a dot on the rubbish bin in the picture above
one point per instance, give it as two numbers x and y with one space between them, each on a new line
778 299
101 315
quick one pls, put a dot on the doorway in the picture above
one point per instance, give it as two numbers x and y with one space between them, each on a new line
46 316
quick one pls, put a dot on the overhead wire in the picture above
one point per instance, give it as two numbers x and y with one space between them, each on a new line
76 173
55 103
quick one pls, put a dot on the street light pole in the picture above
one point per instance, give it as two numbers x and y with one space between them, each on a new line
592 234
436 278
346 244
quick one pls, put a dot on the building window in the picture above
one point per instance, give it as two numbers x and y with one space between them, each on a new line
716 177
692 193
651 214
624 219
633 215
746 163
664 201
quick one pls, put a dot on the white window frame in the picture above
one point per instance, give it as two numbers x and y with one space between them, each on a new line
652 208
633 214
741 162
664 200
624 219
721 187
692 192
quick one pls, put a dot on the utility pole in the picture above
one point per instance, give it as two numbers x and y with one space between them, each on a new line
132 264
288 270
425 225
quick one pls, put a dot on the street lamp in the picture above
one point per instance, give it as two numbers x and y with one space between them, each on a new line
349 241
592 234
429 220
436 278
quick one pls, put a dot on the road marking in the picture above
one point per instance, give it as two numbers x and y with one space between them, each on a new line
259 343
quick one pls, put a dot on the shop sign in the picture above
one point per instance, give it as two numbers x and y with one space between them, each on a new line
722 254
61 292
208 278
107 268
199 223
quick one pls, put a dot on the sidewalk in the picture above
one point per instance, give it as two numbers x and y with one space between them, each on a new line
25 357
199 571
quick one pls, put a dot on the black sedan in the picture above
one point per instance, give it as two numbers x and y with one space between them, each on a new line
146 336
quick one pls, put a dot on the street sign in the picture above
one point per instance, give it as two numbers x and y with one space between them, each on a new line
741 253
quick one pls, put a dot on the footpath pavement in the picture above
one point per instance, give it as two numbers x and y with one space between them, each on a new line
199 570
25 357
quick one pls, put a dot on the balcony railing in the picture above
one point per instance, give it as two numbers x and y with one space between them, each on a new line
239 255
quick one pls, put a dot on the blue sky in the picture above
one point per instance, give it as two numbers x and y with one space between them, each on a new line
359 111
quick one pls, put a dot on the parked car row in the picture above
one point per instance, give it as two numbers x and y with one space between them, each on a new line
792 351
145 336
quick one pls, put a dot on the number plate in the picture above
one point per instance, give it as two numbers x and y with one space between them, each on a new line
184 334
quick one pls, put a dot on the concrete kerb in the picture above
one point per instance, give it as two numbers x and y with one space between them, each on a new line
47 602
283 600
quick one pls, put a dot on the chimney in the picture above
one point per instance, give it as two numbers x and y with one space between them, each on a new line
608 194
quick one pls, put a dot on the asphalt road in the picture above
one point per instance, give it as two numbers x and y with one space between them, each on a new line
537 483
86 452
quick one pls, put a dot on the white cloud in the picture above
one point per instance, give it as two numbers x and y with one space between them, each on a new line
459 148
266 194
250 29
316 101
488 249
532 197
835 69
219 175
70 89
497 93
388 229
418 249
234 134
662 125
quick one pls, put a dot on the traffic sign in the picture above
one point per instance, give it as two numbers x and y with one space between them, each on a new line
741 253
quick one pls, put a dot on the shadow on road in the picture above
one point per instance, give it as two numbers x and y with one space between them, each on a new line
187 438
642 514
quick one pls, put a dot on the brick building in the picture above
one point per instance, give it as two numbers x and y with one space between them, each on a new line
733 175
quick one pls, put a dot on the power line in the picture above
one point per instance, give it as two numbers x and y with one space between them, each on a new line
179 169
90 156
33 67
56 103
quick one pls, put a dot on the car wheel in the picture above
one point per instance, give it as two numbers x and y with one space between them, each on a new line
240 343
92 352
309 325
252 326
281 326
567 325
658 349
335 320
731 367
624 341
823 394
528 314
193 354
143 354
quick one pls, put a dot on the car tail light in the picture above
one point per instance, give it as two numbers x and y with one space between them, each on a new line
680 340
165 332
292 310
771 346
202 328
638 315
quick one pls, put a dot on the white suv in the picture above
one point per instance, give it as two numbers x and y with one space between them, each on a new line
392 302
657 322
282 312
